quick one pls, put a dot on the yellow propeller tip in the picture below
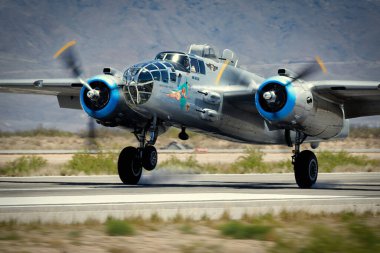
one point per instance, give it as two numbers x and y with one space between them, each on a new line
321 64
64 48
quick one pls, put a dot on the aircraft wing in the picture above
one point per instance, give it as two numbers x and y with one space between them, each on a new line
359 98
68 87
66 90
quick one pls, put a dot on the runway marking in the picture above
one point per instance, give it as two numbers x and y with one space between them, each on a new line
151 198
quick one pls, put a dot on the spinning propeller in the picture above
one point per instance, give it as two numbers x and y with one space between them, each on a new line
275 95
70 59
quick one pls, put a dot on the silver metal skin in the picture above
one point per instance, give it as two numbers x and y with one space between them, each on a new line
218 102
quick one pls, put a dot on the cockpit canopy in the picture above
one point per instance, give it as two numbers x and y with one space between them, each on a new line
179 60
140 79
210 52
205 51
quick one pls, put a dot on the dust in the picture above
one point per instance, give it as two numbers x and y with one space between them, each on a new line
162 176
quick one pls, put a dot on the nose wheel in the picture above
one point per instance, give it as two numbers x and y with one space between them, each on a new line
132 160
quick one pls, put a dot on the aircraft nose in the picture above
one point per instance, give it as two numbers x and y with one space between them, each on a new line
139 85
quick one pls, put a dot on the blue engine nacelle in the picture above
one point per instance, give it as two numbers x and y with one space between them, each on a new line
110 108
290 104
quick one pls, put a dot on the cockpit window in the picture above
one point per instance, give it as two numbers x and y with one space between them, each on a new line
160 56
179 61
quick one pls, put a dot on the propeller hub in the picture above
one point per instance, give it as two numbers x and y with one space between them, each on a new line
270 96
93 95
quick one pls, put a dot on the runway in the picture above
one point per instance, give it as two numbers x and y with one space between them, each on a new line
76 199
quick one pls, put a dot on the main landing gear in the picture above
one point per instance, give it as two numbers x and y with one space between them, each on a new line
132 160
305 164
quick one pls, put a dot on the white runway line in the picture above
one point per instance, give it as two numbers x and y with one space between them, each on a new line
151 198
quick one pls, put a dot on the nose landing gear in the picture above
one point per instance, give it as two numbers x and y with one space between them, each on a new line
305 164
132 160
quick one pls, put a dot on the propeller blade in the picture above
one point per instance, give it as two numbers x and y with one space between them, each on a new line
312 69
70 58
91 135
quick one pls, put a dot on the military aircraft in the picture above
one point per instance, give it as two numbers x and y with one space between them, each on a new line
207 92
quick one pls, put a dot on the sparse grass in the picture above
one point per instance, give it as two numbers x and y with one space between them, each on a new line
189 165
75 234
364 132
38 132
299 232
240 230
328 161
119 228
23 166
187 229
11 236
88 164
352 238
252 162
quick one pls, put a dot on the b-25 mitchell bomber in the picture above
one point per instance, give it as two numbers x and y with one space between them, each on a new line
207 92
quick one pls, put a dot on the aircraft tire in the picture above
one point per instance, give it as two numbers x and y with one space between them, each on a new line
129 166
306 169
149 158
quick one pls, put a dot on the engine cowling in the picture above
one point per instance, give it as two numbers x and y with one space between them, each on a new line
110 108
289 104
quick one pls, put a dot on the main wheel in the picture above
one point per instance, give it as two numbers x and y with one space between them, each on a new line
129 166
306 169
149 157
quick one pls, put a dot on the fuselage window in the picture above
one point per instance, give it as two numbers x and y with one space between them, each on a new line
173 77
202 67
194 65
156 75
165 76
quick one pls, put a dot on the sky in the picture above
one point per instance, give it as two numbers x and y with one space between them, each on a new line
265 35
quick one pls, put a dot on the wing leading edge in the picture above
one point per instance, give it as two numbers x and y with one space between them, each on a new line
66 90
55 87
359 98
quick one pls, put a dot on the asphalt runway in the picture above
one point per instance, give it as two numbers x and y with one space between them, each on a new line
76 199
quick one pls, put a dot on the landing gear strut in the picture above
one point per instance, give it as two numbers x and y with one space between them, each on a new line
132 160
305 164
